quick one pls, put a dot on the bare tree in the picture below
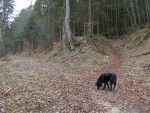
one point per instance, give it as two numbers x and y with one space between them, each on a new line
66 26
7 9
90 18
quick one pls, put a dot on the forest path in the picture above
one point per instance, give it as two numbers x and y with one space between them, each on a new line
30 85
132 94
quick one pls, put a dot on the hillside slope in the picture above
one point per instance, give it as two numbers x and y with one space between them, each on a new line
66 83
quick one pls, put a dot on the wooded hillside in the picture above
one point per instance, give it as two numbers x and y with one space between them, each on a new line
62 20
53 53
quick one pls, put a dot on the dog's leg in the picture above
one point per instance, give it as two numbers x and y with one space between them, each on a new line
104 86
114 85
98 87
107 85
110 86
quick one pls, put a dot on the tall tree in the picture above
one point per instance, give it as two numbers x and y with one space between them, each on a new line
90 18
66 26
7 10
105 17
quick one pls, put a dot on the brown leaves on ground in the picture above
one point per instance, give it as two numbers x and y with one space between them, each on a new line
66 83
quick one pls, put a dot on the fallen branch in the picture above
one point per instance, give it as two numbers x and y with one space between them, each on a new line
146 53
6 93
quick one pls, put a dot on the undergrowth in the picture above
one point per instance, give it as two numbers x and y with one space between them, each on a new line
137 38
99 43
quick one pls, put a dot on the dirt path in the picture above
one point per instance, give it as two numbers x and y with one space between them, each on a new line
28 85
116 59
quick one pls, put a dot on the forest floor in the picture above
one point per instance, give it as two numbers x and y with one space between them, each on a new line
66 83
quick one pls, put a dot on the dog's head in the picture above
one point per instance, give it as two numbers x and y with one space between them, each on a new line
98 84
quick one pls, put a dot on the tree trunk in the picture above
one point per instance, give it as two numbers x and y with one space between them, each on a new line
129 14
97 8
66 26
4 25
90 19
147 11
117 15
138 14
133 11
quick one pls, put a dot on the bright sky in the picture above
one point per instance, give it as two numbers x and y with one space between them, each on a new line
21 4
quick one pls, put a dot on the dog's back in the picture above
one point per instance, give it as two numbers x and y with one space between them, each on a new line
108 77
113 77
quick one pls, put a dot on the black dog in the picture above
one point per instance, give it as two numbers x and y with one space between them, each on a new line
108 79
